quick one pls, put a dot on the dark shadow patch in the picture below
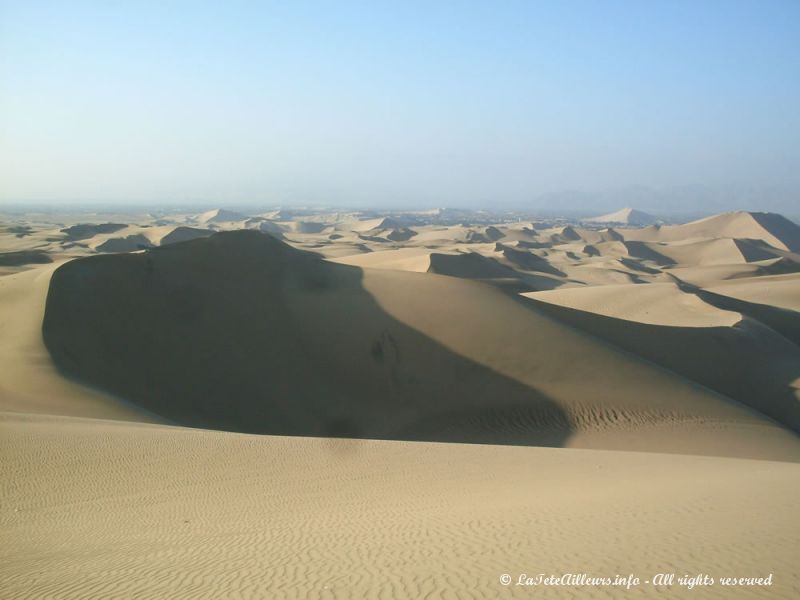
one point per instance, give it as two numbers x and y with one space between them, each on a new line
24 257
635 265
130 243
781 227
184 234
88 230
644 251
528 261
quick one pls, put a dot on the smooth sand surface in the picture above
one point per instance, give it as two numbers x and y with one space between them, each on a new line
101 509
402 259
777 290
657 304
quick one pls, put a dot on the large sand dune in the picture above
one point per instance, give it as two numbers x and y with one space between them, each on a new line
239 331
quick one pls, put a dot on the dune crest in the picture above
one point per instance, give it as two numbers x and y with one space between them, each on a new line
625 216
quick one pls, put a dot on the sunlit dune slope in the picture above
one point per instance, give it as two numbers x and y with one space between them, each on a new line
774 229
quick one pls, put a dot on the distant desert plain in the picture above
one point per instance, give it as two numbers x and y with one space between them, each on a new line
434 404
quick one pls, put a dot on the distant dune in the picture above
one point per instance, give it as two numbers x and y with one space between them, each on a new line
85 231
184 234
626 216
220 215
125 244
773 229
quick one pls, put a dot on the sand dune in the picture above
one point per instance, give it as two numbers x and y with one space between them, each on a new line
625 216
403 259
337 250
656 304
86 231
220 215
487 267
378 224
183 234
528 261
709 275
606 272
705 252
328 349
773 229
594 236
749 362
309 227
472 265
786 322
402 234
128 243
469 265
777 290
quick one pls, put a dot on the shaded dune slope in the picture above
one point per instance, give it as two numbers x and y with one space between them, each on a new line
184 234
781 228
204 333
748 361
87 230
782 320
472 265
528 261
128 243
24 257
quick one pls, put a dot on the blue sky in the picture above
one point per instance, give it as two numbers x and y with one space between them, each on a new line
425 103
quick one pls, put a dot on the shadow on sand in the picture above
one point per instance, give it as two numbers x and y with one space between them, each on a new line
241 332
748 362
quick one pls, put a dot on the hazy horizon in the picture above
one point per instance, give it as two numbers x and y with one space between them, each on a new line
680 106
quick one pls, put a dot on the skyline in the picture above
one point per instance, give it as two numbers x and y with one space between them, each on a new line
457 105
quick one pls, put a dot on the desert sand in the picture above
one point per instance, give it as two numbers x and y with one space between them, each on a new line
164 512
322 404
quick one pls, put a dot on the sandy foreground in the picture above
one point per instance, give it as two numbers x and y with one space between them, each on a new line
100 509
661 365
